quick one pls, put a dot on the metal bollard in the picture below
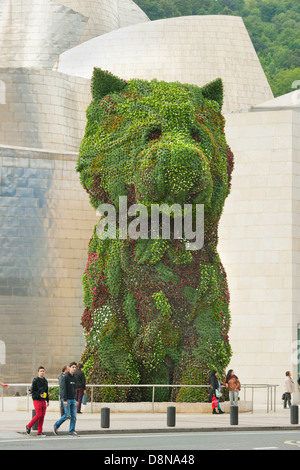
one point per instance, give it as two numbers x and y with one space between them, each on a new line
105 417
294 414
234 415
35 426
171 415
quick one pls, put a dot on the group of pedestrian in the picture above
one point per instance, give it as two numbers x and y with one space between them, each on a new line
232 383
72 387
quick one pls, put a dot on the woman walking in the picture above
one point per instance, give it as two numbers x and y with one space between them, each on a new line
215 392
289 389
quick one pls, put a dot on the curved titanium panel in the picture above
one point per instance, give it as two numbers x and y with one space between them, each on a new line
43 109
34 32
195 49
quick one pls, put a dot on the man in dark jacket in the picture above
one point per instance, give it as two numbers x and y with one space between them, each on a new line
40 397
80 386
69 398
61 386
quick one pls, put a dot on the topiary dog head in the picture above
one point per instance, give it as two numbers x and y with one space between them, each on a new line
155 142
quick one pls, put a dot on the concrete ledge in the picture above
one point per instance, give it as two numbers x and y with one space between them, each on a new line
161 407
20 404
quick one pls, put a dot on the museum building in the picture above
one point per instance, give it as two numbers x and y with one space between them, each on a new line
48 51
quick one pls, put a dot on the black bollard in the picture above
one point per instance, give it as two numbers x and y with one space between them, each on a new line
294 414
171 415
105 417
35 426
234 415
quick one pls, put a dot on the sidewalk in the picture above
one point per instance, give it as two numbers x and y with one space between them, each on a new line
15 422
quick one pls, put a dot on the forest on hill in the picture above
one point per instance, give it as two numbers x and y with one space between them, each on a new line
273 25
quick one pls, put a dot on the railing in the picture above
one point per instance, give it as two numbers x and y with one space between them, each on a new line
271 391
271 394
153 386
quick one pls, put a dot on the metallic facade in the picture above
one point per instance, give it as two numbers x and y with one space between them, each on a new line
43 109
46 222
45 217
194 49
34 32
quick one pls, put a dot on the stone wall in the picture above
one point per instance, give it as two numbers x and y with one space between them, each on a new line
259 243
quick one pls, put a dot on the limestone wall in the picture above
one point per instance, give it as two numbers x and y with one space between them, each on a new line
259 244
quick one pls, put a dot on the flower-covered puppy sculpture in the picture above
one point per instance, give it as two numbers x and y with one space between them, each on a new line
155 163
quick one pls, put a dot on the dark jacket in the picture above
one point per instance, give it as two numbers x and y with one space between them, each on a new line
61 384
69 387
214 384
80 379
39 386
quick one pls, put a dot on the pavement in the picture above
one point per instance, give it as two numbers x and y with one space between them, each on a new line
13 421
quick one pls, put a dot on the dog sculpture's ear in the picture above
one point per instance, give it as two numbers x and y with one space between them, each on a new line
214 91
104 82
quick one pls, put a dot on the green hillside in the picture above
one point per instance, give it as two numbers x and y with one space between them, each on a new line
273 25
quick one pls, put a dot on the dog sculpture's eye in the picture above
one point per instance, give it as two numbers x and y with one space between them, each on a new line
154 134
195 134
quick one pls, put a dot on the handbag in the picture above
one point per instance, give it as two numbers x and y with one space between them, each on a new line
84 399
283 396
214 402
218 393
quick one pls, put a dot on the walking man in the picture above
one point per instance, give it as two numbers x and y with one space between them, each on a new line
60 381
69 394
80 386
40 397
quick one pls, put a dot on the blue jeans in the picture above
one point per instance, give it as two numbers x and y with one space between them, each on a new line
233 397
287 400
70 413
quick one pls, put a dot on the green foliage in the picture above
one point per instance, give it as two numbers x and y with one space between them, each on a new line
53 393
273 26
214 91
105 83
155 313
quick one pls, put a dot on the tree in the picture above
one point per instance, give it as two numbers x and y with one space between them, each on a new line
284 81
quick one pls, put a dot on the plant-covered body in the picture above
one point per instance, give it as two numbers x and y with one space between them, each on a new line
155 311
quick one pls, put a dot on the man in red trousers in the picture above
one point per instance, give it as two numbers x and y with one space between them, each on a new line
40 397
